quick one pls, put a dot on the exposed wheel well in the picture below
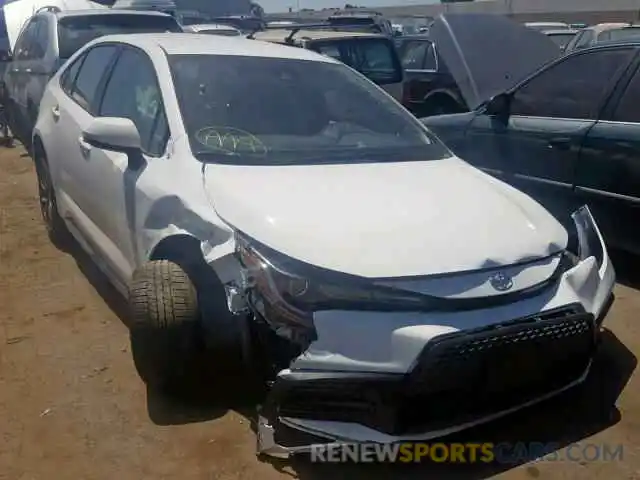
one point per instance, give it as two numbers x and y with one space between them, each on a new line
182 249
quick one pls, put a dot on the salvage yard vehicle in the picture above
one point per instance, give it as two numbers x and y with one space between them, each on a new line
213 29
561 37
368 21
48 39
603 32
567 135
374 55
359 268
429 88
541 26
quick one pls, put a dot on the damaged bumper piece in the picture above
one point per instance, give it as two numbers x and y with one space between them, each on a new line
387 377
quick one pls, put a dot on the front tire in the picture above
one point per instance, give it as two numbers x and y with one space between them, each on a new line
165 320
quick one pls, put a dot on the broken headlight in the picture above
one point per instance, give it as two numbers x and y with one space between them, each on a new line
293 296
587 241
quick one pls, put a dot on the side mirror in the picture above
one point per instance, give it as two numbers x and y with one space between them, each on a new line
499 105
115 134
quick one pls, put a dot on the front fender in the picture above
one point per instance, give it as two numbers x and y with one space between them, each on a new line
170 217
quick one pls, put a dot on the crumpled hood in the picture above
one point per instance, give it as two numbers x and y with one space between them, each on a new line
488 54
387 219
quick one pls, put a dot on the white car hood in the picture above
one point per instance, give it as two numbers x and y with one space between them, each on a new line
385 220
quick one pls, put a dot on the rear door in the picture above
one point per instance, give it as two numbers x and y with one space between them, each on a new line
608 175
427 79
536 149
73 112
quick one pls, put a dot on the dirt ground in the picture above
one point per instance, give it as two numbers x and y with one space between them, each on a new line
73 407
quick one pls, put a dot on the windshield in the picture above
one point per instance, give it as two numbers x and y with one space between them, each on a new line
561 39
274 111
619 34
74 32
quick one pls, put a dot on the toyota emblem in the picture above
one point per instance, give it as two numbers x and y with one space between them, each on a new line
501 281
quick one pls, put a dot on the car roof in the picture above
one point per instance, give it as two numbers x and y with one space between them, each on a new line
602 27
105 12
633 41
562 31
205 44
212 26
279 35
542 24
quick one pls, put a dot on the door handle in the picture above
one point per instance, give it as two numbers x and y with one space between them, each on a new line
85 147
561 143
55 112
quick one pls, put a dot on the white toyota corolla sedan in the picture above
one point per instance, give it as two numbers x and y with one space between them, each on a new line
269 201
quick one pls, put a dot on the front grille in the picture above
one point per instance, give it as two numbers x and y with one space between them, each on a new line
460 376
464 376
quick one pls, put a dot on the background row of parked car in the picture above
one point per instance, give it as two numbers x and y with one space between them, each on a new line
569 118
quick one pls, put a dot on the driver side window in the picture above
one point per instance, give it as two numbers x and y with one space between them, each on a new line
573 88
133 92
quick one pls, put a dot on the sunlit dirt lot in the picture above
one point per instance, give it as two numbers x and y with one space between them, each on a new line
73 407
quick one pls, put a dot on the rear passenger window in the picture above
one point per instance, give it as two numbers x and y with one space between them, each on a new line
627 109
413 56
68 77
93 70
430 62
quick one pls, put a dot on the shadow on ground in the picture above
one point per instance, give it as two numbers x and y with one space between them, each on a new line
205 400
627 268
566 419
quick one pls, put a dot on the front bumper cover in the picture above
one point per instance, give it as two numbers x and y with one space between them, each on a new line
470 367
502 367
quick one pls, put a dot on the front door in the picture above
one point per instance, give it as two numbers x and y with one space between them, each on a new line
608 177
536 146
132 91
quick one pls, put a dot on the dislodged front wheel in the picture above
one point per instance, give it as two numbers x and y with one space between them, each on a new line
165 320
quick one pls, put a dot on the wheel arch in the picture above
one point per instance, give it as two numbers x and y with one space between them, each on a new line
443 93
176 247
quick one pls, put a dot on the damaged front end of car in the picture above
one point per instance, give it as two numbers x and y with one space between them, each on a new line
359 360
